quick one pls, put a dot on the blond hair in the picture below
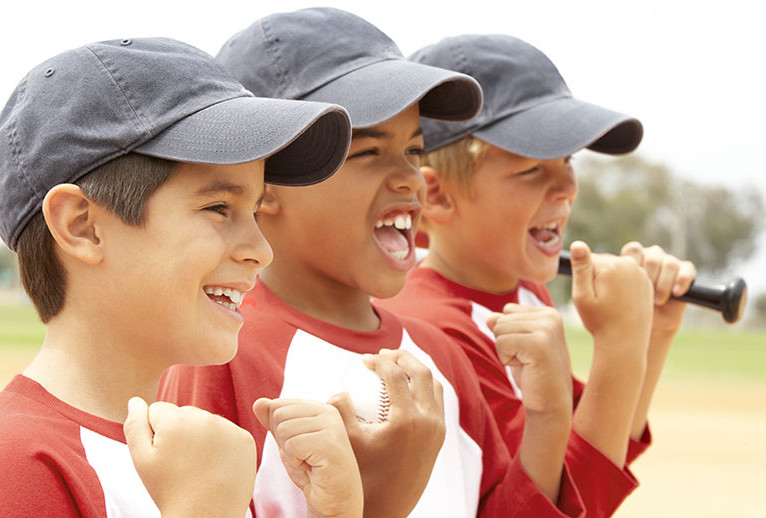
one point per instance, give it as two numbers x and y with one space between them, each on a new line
456 162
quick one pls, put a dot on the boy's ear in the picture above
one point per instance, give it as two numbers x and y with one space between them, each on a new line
71 218
438 206
270 203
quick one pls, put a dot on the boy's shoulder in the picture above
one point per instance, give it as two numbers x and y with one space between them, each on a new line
39 458
56 460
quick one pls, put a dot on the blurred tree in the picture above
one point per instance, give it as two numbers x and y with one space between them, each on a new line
630 198
8 266
760 309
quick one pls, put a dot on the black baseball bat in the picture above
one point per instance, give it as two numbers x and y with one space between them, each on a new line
729 299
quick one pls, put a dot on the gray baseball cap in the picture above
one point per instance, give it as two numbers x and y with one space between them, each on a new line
158 97
329 55
528 108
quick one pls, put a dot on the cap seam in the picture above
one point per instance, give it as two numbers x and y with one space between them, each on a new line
276 59
119 87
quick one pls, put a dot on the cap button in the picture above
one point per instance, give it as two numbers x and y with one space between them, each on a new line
49 72
126 42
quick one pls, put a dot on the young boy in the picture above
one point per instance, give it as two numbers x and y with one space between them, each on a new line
131 171
500 189
336 245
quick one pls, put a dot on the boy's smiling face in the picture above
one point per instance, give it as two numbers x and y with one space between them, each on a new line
514 219
186 269
354 231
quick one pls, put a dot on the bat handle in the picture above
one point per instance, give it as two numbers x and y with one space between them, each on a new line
729 299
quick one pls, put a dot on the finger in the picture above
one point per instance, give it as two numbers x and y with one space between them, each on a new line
394 377
421 380
686 275
138 432
653 263
344 406
161 412
492 320
582 271
262 411
666 279
634 250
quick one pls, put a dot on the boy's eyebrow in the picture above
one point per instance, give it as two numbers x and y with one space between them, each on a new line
373 133
218 186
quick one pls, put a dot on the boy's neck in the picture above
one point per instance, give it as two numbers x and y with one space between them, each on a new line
325 299
462 269
90 371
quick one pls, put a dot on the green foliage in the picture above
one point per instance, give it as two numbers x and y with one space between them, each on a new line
630 198
20 326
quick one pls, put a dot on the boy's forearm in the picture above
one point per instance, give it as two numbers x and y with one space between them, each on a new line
543 448
606 411
659 346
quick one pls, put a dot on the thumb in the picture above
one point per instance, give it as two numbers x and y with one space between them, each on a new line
492 320
344 406
138 432
262 411
582 271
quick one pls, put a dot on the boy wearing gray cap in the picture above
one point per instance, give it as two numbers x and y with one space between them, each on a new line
130 172
500 189
437 451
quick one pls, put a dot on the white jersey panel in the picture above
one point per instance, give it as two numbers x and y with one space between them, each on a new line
125 494
313 370
479 315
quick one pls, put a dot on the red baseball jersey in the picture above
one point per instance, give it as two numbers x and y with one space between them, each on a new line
56 460
286 353
461 312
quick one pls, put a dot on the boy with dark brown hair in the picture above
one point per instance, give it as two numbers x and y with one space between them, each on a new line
131 172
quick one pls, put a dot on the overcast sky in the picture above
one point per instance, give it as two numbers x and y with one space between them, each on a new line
693 71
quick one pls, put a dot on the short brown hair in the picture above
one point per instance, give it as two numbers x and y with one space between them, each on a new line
122 186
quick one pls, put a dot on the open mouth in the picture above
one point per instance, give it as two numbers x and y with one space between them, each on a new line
227 297
393 232
548 235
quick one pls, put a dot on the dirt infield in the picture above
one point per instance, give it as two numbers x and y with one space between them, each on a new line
708 457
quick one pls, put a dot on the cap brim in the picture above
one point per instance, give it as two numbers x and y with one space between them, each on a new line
561 127
379 91
304 142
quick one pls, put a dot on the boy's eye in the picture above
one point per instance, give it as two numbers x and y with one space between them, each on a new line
417 151
528 171
220 208
364 152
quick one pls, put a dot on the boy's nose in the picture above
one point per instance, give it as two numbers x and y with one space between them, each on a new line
253 247
406 177
565 184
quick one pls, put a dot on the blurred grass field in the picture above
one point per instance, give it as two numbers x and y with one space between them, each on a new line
708 417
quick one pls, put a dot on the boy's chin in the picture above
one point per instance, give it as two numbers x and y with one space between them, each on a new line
390 288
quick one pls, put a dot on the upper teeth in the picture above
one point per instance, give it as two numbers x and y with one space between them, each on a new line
551 226
401 221
235 296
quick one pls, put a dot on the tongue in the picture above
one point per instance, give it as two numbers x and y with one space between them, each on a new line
391 239
542 234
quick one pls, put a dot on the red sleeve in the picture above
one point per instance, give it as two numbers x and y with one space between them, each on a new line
32 487
209 387
506 489
38 474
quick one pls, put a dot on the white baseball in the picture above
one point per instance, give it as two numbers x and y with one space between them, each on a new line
368 393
